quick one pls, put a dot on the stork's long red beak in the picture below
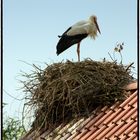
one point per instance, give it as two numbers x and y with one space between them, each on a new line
97 27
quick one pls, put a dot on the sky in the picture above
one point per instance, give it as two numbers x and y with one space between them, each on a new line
31 29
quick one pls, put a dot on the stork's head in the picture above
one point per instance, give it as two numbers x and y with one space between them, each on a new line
93 19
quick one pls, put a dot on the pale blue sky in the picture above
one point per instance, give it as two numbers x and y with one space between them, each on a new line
31 28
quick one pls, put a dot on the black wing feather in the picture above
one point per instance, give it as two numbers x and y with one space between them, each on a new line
67 41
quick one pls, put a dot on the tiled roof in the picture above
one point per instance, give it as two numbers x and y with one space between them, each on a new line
118 122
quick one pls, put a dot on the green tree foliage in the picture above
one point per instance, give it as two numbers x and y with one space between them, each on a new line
12 128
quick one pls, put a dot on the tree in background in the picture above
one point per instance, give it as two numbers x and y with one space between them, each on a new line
12 128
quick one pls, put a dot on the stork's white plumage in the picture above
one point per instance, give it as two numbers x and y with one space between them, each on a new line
76 33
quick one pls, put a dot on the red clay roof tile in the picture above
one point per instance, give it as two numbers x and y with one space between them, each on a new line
132 86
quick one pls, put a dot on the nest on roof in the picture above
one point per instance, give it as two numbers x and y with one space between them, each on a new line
71 90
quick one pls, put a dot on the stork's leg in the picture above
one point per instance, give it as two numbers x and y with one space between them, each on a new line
78 51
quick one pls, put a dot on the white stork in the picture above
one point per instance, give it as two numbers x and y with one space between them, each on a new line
76 33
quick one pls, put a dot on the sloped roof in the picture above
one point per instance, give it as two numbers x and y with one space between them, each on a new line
118 122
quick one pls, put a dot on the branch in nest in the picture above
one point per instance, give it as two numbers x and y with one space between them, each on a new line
130 65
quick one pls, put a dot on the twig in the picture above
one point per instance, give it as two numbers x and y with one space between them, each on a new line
13 96
129 66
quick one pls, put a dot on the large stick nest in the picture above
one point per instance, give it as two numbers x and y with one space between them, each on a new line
66 91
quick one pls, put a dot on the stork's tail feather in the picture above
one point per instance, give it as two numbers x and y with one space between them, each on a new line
59 36
63 44
57 53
